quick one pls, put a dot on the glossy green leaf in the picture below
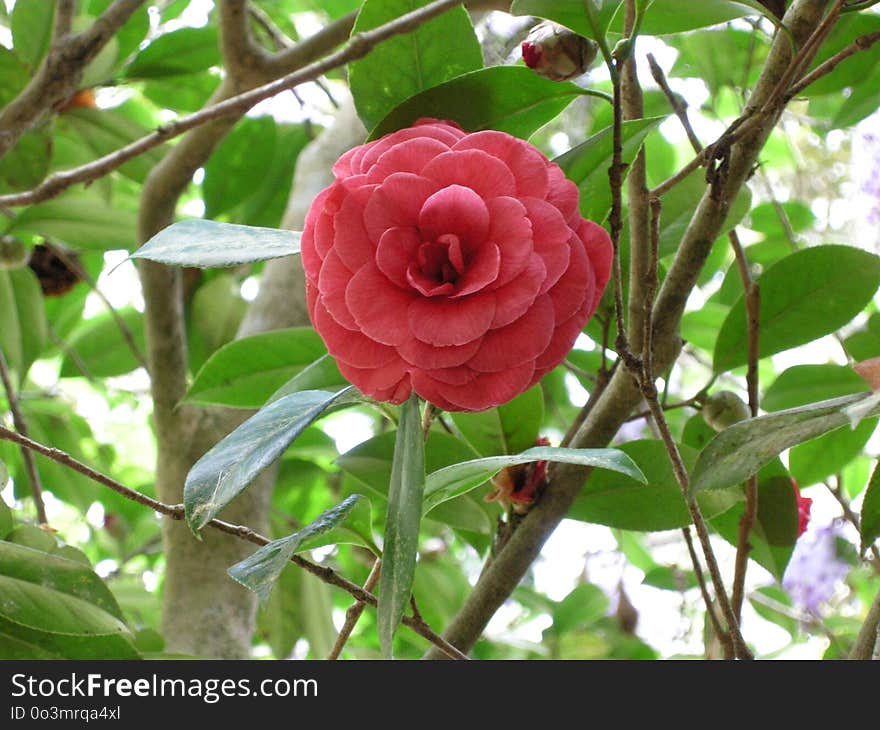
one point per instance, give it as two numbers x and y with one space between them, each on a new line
27 163
765 218
348 522
802 384
181 52
806 295
510 99
816 460
570 13
583 606
23 328
587 164
98 348
239 164
666 17
739 451
700 327
508 429
864 343
183 94
215 314
402 521
618 500
82 220
870 514
246 372
723 58
439 50
457 479
229 467
856 69
208 244
32 29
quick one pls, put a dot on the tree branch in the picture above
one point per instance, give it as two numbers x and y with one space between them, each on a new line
354 613
867 640
61 71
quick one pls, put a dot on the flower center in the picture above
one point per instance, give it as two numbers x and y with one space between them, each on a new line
438 266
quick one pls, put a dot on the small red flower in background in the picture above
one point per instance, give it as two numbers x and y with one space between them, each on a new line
456 265
518 486
803 506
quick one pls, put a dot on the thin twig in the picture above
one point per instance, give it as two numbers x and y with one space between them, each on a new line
358 46
752 295
124 330
717 628
851 517
354 613
176 512
679 106
20 424
862 43
65 11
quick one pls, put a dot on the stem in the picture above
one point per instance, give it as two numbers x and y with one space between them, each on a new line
866 642
354 613
27 457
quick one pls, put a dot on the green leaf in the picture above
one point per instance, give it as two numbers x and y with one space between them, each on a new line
852 71
214 318
870 515
439 50
587 164
765 218
570 13
239 164
816 460
83 220
348 522
803 384
510 99
132 32
806 295
656 503
739 451
775 531
182 52
457 479
208 244
32 29
98 347
584 605
183 94
6 520
322 374
23 327
721 58
508 429
27 163
231 465
865 343
666 17
246 372
103 131
700 327
402 522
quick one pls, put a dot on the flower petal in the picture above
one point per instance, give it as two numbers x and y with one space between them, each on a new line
349 346
599 248
389 384
514 298
378 306
442 133
397 248
521 341
487 390
528 165
313 246
332 282
457 210
350 239
486 175
561 343
444 322
576 286
480 272
511 230
396 203
562 193
429 357
409 156
550 236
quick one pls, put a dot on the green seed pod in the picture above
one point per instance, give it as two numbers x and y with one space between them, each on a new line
724 408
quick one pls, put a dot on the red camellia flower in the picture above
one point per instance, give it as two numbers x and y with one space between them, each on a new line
456 265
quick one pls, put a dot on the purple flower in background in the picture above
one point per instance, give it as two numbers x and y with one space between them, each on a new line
871 184
815 569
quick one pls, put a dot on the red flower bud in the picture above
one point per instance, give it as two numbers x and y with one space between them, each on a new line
518 486
803 506
557 53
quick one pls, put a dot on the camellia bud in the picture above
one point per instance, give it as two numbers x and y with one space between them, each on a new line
557 53
13 254
517 486
724 408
